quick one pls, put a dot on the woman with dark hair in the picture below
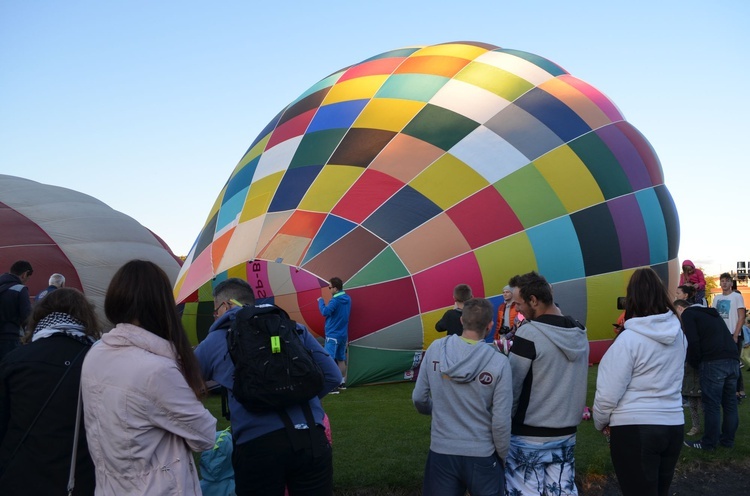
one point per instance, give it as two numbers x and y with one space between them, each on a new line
141 391
39 385
638 402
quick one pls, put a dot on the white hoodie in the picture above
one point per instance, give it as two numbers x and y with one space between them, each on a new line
640 376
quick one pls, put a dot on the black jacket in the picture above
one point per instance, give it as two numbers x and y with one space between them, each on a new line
451 322
28 375
15 306
707 336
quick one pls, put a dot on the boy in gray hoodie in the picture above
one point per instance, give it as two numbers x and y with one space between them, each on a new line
549 360
466 385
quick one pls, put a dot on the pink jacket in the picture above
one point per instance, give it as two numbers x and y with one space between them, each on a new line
142 419
695 278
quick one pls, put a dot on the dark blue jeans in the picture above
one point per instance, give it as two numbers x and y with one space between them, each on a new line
719 387
268 464
453 475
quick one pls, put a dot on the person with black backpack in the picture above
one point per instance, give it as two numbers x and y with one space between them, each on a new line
275 373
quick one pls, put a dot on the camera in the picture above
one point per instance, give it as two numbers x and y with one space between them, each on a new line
621 303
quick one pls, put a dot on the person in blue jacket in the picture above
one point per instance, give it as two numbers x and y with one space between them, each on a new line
217 474
265 459
337 313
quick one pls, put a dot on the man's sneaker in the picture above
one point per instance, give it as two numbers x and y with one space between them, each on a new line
342 386
334 391
697 445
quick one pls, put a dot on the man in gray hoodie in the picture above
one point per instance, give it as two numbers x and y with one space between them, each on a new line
549 360
465 384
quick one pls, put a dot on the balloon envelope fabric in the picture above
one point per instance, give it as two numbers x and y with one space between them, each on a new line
425 167
59 230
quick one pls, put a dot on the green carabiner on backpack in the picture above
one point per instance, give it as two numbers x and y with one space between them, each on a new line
275 344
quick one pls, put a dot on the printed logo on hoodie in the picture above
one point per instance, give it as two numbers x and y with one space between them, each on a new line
485 378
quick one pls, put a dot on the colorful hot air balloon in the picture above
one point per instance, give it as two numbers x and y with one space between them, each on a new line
63 231
425 167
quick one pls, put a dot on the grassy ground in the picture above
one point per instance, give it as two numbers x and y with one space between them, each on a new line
380 444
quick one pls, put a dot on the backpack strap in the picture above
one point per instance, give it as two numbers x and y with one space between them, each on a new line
292 432
312 429
74 455
309 418
225 404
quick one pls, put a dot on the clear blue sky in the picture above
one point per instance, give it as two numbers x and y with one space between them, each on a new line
148 105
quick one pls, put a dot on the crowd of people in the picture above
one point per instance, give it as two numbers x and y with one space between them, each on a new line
666 354
503 422
122 412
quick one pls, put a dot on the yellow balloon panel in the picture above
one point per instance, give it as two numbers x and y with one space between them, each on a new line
355 89
259 197
498 81
504 259
328 188
601 303
451 50
448 181
388 114
429 319
569 177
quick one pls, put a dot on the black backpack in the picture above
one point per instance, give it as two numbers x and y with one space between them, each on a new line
272 368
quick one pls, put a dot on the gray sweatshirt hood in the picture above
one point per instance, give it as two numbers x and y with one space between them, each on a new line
663 328
461 361
571 341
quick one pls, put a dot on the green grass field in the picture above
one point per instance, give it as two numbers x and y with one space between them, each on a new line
380 442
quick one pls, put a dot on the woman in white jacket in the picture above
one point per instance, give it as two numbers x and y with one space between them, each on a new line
638 399
141 392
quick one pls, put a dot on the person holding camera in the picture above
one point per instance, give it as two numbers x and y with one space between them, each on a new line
508 317
618 326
